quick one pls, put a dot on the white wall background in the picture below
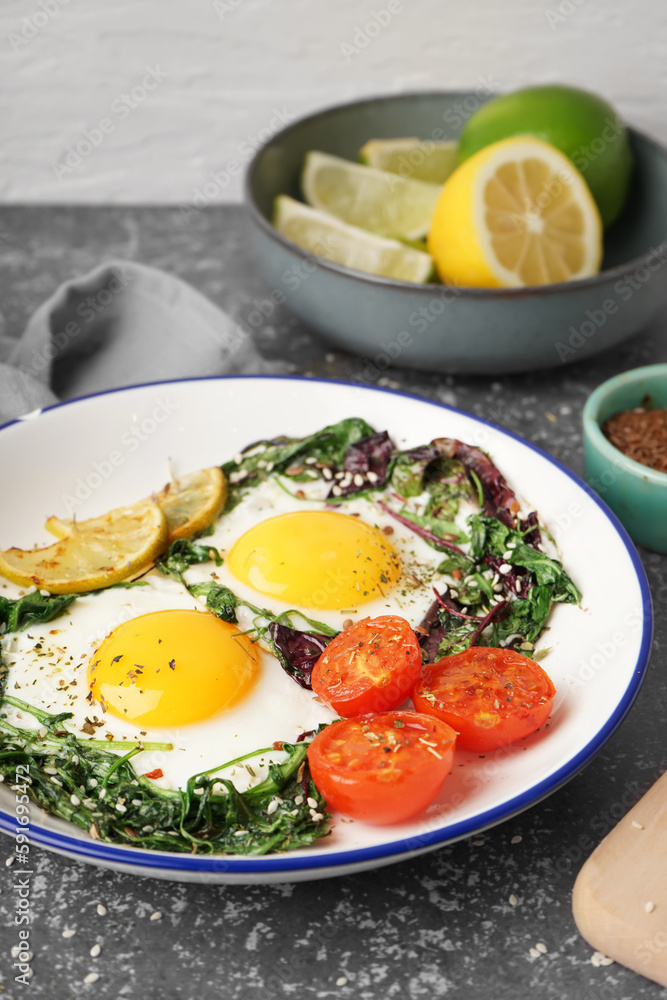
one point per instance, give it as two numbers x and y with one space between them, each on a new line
224 70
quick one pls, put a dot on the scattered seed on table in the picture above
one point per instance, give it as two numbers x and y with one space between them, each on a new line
542 948
102 910
92 977
637 825
516 840
156 916
341 981
95 951
650 906
513 900
68 933
534 953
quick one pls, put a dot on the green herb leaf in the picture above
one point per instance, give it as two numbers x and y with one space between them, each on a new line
18 615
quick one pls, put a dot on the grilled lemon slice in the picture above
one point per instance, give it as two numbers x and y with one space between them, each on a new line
92 554
192 503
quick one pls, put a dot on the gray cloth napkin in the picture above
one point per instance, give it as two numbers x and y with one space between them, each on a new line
121 324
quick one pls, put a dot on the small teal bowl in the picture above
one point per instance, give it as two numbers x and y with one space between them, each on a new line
636 493
435 327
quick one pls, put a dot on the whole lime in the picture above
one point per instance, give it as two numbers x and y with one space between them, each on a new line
580 124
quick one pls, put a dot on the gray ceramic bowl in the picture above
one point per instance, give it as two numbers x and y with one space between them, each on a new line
439 328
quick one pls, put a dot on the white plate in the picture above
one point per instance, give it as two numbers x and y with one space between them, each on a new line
111 448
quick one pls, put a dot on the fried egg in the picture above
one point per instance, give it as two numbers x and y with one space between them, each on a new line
150 663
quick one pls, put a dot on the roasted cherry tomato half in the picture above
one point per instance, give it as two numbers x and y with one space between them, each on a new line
383 767
491 697
370 667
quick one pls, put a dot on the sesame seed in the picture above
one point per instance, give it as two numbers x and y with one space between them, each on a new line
138 802
336 490
238 458
534 953
156 916
57 782
507 555
542 948
316 817
605 960
513 900
372 477
478 843
637 826
312 803
92 783
358 479
339 475
75 800
650 906
95 950
298 800
240 833
327 473
50 770
311 460
68 933
120 807
92 977
102 910
10 860
15 950
341 981
504 568
516 840
272 806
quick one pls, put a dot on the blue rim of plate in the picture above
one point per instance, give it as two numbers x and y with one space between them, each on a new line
394 850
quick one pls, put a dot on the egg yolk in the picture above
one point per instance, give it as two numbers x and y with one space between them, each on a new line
171 668
316 559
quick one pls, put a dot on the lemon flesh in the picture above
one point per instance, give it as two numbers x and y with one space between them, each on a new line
583 126
420 159
97 553
516 213
376 200
327 237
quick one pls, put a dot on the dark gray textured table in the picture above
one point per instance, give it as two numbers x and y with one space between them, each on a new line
438 926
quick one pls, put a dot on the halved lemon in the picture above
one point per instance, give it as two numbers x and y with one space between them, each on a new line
326 236
376 200
421 159
94 554
516 213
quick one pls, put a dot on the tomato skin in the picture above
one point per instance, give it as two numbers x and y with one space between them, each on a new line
370 667
359 777
491 697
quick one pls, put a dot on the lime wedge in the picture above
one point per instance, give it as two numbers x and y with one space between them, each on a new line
372 199
417 159
325 236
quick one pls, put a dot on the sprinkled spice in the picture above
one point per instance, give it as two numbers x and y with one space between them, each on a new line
641 434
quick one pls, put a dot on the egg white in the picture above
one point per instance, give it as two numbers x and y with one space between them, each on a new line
48 666
48 662
411 597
